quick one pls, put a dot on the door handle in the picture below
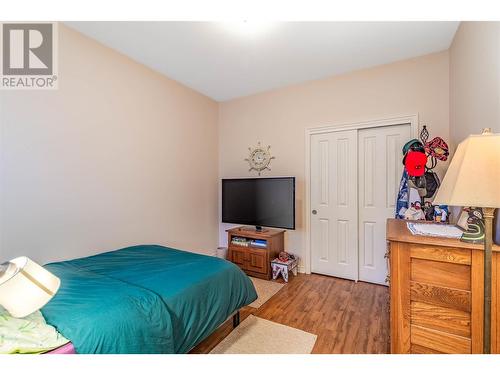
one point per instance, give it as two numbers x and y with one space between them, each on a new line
314 212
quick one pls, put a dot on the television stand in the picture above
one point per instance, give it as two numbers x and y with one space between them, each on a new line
253 250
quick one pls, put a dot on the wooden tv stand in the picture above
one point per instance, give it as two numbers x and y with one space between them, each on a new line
255 261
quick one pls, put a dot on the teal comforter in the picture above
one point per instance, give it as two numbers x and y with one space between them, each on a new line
144 299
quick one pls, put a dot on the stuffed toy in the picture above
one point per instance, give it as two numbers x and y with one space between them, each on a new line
441 213
285 257
414 212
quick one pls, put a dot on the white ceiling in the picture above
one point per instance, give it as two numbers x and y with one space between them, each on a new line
229 60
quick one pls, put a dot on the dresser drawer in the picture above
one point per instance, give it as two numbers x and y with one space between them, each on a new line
448 275
440 299
434 285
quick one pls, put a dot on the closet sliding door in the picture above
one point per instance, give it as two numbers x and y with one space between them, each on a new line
379 171
354 178
334 221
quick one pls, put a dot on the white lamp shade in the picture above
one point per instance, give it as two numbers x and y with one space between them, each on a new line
26 286
473 177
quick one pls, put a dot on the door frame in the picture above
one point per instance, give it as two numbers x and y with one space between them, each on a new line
392 121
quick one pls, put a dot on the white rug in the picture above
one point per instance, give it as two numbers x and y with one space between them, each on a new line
259 336
265 290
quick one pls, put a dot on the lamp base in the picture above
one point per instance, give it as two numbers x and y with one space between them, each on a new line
488 223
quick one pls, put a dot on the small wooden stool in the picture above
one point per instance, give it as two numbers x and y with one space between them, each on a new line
284 267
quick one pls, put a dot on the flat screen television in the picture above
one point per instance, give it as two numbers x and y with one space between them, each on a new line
263 202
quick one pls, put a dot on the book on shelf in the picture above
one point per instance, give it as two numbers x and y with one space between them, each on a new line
244 244
258 243
239 241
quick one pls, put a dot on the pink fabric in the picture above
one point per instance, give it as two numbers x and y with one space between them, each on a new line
65 349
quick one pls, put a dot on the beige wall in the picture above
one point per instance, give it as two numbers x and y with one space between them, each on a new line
119 155
475 79
279 118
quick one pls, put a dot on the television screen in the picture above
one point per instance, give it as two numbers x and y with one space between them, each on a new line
263 202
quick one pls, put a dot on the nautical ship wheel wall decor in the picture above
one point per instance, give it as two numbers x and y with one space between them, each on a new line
259 158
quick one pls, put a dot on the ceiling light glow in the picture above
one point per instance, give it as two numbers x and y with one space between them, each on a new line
247 27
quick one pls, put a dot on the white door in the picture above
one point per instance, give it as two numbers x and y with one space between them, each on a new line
334 204
380 170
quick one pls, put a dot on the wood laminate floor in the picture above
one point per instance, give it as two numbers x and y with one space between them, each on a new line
347 317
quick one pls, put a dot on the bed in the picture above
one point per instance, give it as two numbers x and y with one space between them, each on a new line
144 299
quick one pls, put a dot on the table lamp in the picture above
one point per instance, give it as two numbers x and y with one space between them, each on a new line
25 286
473 180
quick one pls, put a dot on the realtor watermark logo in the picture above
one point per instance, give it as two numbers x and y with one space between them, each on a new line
29 56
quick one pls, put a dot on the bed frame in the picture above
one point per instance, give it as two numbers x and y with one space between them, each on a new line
236 319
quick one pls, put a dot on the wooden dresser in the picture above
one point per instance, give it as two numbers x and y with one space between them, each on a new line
436 293
255 261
